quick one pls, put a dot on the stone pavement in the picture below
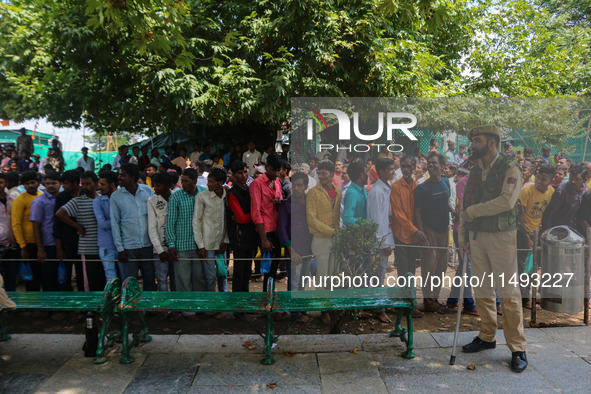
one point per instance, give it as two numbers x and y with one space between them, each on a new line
560 360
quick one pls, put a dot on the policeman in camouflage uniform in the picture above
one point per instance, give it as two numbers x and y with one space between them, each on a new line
488 231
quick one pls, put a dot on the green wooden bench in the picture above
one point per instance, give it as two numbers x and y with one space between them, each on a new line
105 303
133 301
402 299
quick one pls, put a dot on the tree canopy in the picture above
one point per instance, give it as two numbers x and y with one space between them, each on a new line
151 65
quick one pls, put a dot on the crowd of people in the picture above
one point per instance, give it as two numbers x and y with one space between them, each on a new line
169 218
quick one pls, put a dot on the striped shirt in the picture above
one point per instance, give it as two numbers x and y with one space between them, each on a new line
80 208
179 223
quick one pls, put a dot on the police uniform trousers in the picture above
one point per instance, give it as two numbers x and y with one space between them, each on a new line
497 253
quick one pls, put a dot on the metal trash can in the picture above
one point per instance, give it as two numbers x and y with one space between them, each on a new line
563 254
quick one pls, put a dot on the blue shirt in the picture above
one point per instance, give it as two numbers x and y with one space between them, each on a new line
129 218
43 211
355 204
102 210
433 199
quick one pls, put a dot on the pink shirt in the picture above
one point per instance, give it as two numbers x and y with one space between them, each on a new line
263 209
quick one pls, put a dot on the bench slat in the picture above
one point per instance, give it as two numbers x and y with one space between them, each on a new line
366 298
57 300
199 302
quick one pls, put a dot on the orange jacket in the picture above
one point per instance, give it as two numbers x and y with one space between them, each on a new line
402 203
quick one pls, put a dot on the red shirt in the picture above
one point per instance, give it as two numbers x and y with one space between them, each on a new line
337 180
332 193
263 209
241 217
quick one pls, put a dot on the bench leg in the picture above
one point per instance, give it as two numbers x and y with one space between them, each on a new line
397 328
105 340
126 357
269 340
3 330
405 335
408 339
143 335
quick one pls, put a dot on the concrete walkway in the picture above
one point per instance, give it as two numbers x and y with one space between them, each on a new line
560 360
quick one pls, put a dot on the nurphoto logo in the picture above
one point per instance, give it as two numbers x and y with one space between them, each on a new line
392 121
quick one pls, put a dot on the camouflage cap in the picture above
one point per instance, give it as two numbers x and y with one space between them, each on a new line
487 129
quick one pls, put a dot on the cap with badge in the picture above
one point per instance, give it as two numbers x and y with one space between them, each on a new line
486 129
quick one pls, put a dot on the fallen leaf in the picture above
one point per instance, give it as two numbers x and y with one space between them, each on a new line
289 354
354 351
223 345
365 341
471 367
249 345
272 385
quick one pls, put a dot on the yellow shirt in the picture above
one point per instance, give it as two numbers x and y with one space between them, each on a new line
534 205
323 216
21 225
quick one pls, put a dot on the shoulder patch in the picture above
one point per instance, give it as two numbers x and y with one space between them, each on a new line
511 180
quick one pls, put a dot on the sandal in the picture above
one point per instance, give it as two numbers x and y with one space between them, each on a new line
472 312
383 318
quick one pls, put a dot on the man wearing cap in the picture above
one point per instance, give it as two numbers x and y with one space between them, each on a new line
488 231
24 143
86 161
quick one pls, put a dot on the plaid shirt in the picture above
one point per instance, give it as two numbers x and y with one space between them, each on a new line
179 223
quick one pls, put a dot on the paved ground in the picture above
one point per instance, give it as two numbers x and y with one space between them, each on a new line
560 360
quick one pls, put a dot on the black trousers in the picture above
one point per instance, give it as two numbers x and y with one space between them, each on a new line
9 269
242 269
94 271
49 275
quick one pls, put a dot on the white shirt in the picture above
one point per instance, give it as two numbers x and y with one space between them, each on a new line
195 157
88 164
14 192
397 175
209 220
452 197
251 158
202 181
157 212
311 183
378 211
344 189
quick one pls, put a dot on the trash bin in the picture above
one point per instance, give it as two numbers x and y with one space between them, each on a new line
563 254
